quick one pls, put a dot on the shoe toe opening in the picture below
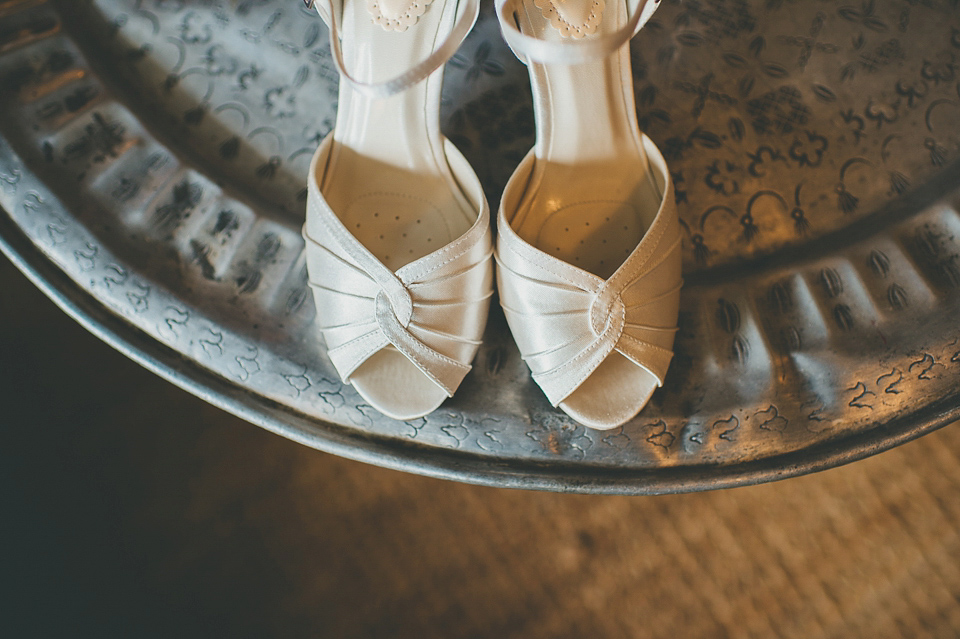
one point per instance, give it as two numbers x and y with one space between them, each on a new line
616 391
394 385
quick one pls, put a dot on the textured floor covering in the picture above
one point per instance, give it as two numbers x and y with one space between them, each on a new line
133 509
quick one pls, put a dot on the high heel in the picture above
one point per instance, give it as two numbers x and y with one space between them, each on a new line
397 230
588 252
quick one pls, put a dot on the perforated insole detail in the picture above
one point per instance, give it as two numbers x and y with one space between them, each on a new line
596 236
397 228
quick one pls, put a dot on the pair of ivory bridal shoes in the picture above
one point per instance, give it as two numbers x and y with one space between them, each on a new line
398 234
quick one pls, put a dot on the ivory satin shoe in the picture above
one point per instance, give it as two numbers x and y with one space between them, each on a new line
588 249
398 238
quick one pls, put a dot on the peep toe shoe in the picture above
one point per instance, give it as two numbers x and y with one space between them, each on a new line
588 248
398 239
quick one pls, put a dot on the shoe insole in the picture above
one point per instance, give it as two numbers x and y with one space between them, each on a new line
592 195
387 177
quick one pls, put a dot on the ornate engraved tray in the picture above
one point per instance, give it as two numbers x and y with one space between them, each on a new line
152 161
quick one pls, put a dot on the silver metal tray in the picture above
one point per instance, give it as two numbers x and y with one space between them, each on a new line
152 161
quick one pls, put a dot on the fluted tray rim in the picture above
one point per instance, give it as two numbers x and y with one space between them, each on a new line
448 464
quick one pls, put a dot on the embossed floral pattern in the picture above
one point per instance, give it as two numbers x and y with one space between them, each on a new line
808 149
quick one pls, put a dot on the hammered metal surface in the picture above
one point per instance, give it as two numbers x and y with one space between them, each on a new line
154 153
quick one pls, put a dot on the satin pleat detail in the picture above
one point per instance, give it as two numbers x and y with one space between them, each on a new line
432 310
567 321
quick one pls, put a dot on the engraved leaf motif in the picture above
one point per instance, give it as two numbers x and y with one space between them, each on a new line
790 339
728 316
728 428
312 35
212 345
849 13
897 297
560 435
876 24
861 399
690 39
735 60
831 282
740 349
647 96
771 419
824 93
879 263
924 365
415 425
138 300
301 77
658 434
737 128
843 317
618 439
780 298
706 139
495 360
863 15
647 120
775 70
891 381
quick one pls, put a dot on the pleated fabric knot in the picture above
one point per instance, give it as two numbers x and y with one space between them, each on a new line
567 321
607 314
359 319
432 310
396 301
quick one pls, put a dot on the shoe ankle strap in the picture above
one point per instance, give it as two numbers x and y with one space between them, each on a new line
331 10
528 48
